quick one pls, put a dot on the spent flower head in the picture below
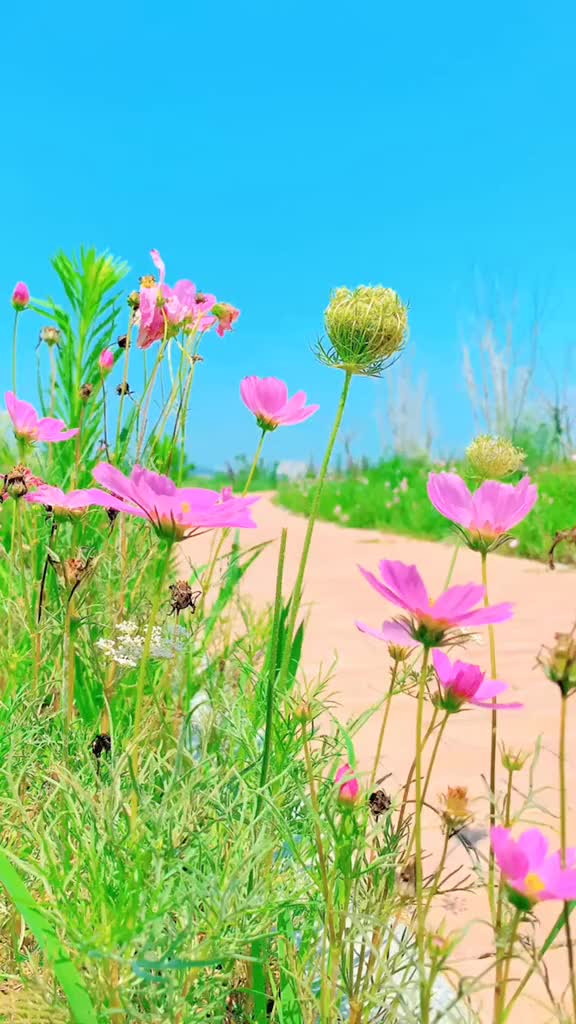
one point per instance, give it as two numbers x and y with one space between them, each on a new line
513 760
559 662
50 336
367 328
456 813
493 458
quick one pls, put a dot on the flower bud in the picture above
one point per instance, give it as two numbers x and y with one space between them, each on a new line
513 760
20 296
493 458
367 328
226 314
398 653
559 662
303 712
106 360
349 790
134 300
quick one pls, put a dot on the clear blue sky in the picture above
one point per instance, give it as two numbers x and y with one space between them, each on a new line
271 152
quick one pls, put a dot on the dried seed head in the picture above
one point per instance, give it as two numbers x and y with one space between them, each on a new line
559 662
456 812
86 392
183 597
493 458
407 878
50 335
19 480
367 327
379 803
75 570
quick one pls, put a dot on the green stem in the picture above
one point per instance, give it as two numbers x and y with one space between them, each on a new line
105 419
435 749
226 533
424 1008
493 747
385 717
563 844
299 584
272 670
452 565
502 1011
14 349
127 350
410 776
142 674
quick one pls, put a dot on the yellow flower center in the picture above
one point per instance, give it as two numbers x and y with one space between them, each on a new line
534 885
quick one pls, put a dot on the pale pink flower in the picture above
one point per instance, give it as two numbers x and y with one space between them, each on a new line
428 621
465 683
73 503
106 360
28 426
349 790
175 512
20 296
165 310
267 398
490 511
530 870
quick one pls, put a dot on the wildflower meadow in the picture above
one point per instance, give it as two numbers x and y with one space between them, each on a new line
190 828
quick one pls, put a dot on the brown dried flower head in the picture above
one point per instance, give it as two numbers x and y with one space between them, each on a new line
50 336
19 480
456 811
86 392
559 662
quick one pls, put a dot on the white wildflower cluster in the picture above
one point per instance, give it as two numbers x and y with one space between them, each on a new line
127 647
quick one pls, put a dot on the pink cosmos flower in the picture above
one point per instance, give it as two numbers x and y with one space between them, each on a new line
106 360
75 502
164 310
175 513
465 683
428 621
267 398
530 870
20 296
349 790
226 315
29 427
490 511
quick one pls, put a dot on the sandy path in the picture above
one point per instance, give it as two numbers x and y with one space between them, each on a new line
336 595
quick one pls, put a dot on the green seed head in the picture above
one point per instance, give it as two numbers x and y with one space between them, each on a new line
493 458
367 327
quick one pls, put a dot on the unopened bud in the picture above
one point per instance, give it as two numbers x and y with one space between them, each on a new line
20 296
513 760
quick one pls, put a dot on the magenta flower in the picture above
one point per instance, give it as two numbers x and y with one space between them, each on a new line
428 622
20 296
490 512
164 311
464 683
267 398
29 427
175 513
529 870
106 360
349 790
75 503
226 315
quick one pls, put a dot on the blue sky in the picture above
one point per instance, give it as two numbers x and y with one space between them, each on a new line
271 153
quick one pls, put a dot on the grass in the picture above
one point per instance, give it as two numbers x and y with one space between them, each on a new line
392 497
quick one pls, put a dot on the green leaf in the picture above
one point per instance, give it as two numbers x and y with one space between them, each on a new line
41 927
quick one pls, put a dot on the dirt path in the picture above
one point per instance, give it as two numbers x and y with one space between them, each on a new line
336 594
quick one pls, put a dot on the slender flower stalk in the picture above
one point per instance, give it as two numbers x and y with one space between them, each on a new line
142 674
123 392
299 584
493 746
207 583
501 1011
384 723
563 843
420 907
15 350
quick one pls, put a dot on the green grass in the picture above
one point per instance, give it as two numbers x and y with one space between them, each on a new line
392 497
